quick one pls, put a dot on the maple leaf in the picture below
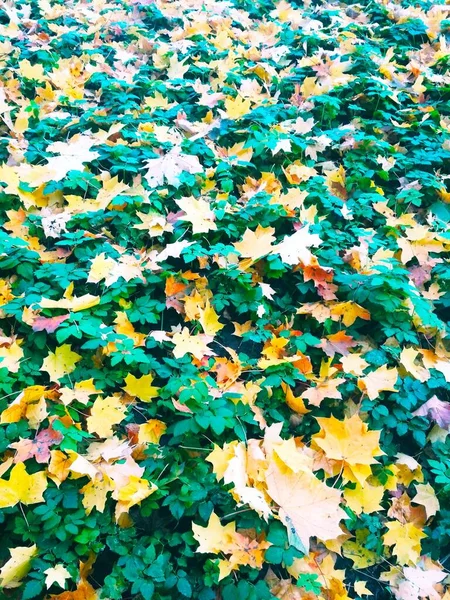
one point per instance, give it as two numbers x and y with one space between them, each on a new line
308 507
48 324
426 496
337 343
350 444
39 447
151 431
405 539
256 244
380 380
197 345
295 248
323 389
56 575
215 537
141 387
15 569
170 167
199 213
364 498
235 108
22 487
61 362
10 357
209 320
350 311
105 413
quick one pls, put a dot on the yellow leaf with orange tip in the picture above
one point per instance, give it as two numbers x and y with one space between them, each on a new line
350 445
405 539
381 380
151 431
125 327
209 320
22 487
60 363
141 387
59 466
241 328
15 569
105 413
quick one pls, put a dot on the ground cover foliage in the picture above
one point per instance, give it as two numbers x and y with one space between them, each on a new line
223 358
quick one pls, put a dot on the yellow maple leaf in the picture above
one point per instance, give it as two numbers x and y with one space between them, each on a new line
354 364
350 445
15 569
10 357
22 487
364 499
215 537
61 362
405 539
236 107
308 507
350 311
256 244
136 490
198 213
407 359
101 268
381 380
209 320
26 69
197 345
141 387
105 413
95 493
426 496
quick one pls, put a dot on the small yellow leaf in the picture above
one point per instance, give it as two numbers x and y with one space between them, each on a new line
141 387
